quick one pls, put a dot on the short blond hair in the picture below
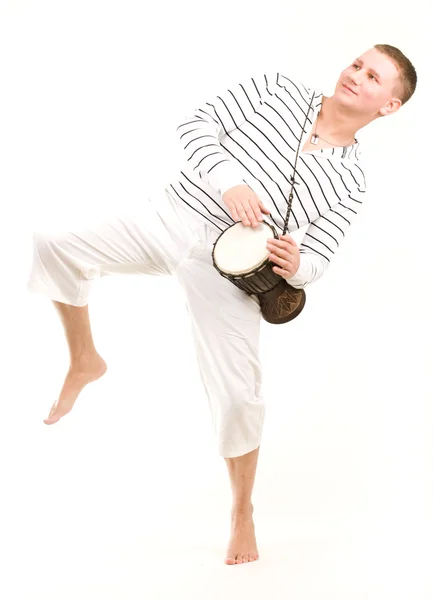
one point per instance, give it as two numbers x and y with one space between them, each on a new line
407 79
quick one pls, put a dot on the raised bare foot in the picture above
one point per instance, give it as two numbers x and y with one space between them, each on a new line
76 379
242 546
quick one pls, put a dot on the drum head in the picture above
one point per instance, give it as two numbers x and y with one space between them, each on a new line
242 249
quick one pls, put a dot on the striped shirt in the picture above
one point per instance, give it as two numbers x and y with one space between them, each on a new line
250 135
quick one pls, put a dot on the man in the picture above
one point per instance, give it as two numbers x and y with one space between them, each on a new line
239 153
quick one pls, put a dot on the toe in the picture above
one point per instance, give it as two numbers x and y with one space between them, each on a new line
51 420
230 560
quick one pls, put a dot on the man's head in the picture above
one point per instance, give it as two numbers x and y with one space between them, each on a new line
382 78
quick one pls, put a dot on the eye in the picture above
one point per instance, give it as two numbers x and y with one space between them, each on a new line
355 65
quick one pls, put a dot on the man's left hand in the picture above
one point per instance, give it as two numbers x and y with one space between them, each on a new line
285 254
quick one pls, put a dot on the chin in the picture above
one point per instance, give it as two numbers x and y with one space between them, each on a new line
345 96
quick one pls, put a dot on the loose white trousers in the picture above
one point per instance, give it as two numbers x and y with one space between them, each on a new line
163 238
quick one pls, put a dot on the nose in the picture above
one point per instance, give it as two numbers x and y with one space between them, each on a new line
354 77
354 83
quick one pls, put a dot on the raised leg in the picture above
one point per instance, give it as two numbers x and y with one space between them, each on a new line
66 262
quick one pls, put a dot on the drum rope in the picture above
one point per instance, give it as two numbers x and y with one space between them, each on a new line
286 222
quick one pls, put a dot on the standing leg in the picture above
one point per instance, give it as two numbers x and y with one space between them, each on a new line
86 364
242 546
225 326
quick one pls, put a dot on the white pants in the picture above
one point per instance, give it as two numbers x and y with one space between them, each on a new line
165 239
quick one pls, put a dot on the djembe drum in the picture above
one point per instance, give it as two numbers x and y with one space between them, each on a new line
240 255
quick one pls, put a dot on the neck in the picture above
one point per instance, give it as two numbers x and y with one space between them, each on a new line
336 123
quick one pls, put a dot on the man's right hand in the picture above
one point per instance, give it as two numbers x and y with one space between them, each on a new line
244 205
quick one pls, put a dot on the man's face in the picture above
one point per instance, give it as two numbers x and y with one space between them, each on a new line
372 77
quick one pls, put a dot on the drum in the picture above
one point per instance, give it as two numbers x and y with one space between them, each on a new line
240 255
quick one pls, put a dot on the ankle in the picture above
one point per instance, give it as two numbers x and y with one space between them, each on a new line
85 360
242 509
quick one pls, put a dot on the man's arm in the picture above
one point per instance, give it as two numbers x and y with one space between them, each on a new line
201 131
323 237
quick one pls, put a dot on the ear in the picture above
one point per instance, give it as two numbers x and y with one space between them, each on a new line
390 107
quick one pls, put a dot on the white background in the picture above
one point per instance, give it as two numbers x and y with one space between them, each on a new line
126 497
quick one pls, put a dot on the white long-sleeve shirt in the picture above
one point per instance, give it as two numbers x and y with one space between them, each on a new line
249 135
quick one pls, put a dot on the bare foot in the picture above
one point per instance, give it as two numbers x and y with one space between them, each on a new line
242 546
76 379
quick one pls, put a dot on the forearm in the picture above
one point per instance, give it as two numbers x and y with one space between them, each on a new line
311 268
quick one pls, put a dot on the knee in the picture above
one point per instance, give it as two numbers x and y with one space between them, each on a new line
47 242
243 416
43 238
240 428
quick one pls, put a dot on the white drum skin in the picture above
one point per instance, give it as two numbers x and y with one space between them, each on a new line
241 249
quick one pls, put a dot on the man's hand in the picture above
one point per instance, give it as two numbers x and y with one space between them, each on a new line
285 254
245 205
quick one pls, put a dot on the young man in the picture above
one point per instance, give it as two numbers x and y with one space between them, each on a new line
239 152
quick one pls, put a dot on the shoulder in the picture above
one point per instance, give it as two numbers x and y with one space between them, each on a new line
276 80
292 82
298 89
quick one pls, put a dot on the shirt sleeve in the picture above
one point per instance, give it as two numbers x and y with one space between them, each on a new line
323 238
201 131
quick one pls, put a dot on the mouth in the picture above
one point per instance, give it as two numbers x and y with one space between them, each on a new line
350 90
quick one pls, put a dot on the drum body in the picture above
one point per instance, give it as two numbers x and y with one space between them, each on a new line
240 255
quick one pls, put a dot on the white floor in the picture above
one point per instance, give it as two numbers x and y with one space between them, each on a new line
86 530
126 497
